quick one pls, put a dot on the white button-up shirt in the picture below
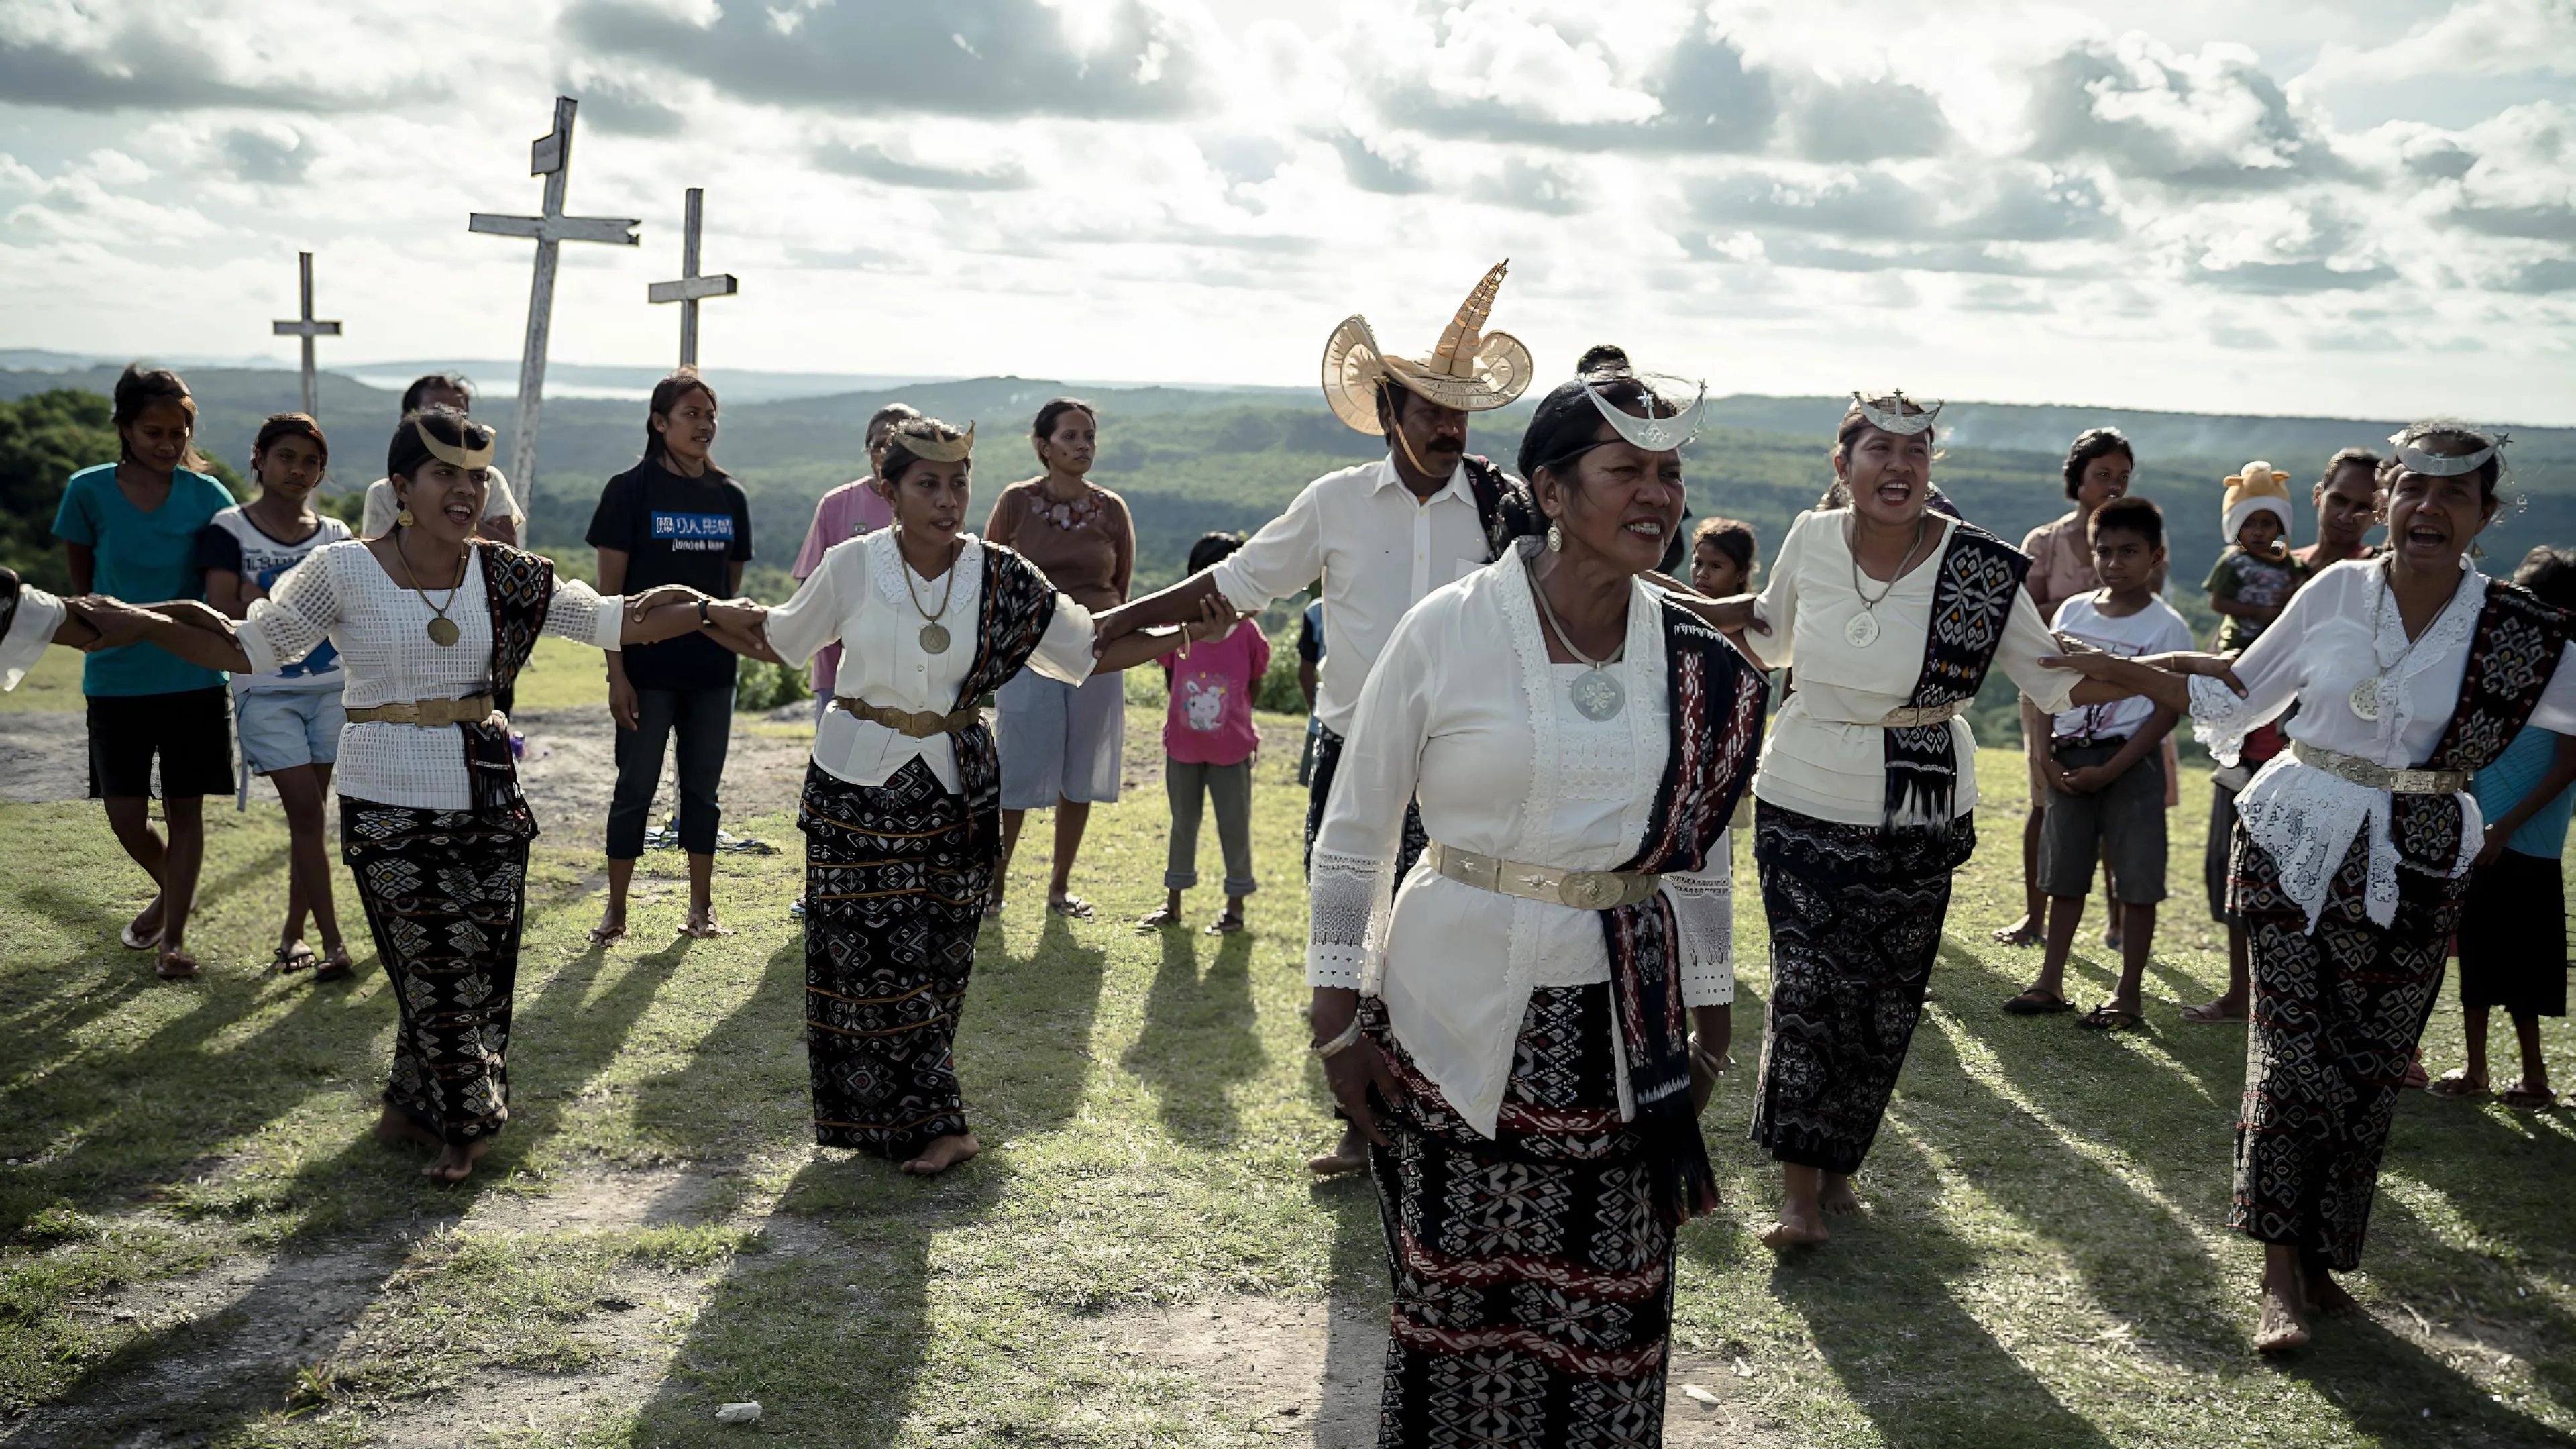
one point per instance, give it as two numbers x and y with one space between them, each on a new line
857 597
31 628
1468 715
2340 629
1378 551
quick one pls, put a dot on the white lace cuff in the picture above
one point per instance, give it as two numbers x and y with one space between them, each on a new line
2219 720
1348 901
1704 908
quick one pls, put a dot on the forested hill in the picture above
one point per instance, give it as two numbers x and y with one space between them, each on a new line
1191 460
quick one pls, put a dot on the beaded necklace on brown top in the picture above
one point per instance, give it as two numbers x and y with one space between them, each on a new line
1067 516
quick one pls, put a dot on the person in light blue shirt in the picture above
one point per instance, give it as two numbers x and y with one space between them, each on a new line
129 529
2513 929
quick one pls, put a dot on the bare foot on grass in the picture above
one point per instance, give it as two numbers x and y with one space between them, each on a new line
1838 1199
1157 918
456 1163
942 1154
2284 1327
1798 1227
395 1125
2024 932
2218 1011
1350 1155
2326 1297
703 926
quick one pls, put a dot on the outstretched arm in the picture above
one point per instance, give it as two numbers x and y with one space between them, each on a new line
184 627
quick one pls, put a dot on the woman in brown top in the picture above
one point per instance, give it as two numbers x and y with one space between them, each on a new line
1060 743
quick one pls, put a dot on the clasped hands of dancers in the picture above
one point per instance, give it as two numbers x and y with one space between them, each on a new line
1521 919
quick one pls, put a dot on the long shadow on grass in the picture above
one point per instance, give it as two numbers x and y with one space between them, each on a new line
1024 1037
2152 1271
1199 1039
745 1085
828 1326
1357 1302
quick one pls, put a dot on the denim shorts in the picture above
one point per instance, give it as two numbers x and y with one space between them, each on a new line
284 728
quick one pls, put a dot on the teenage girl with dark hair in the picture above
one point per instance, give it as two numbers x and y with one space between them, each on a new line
290 718
1061 743
429 622
673 518
130 529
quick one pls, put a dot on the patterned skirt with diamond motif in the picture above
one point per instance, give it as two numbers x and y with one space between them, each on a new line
2337 1012
445 891
1533 1281
894 894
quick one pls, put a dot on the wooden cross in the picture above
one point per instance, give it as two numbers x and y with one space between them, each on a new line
690 287
551 158
308 329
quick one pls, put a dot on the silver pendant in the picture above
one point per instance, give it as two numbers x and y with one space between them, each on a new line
1597 696
934 638
442 632
1862 631
2366 697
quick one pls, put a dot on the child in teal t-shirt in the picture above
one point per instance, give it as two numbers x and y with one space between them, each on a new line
129 530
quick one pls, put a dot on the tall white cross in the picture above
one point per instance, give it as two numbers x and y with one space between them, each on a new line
690 287
308 329
551 158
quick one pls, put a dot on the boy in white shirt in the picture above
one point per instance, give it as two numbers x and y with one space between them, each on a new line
2106 787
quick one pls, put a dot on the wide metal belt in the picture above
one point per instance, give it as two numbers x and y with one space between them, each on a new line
472 709
1916 716
2379 777
919 724
1585 890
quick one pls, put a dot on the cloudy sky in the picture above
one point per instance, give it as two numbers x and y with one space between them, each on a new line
2367 206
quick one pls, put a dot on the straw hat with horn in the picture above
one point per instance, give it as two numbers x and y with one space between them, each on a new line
1471 369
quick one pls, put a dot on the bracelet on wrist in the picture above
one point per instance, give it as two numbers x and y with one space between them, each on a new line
1341 1040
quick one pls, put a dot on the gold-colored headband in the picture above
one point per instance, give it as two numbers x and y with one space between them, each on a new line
934 450
468 459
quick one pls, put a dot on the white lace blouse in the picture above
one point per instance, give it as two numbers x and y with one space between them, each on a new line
2338 631
1825 755
342 593
1465 713
856 597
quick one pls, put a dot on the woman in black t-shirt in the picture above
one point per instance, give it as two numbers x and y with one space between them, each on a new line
673 518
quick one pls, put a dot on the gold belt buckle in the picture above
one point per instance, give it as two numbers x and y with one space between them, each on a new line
1591 890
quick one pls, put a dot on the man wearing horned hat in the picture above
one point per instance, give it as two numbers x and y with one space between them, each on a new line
1380 535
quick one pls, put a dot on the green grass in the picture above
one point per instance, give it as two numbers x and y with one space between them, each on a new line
2042 1264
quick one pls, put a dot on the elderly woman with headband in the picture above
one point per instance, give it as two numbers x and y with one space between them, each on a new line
902 801
2410 672
1867 790
430 622
1527 1024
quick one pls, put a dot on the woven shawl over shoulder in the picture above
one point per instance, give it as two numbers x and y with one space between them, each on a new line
1972 600
2513 651
518 587
1017 606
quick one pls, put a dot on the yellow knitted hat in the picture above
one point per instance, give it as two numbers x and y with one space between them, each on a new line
2257 487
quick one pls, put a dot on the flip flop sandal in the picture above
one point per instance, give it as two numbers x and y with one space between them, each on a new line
1225 926
600 936
2110 1018
2037 1003
1073 908
134 942
175 966
992 910
291 959
2201 1015
2456 1085
335 970
708 932
2528 1099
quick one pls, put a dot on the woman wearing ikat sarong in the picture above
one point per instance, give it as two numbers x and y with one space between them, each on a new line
901 803
1527 1024
431 624
2352 849
1889 614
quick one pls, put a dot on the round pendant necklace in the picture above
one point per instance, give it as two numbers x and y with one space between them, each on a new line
1596 693
442 630
1862 631
934 635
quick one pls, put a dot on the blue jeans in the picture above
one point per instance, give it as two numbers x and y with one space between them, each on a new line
704 720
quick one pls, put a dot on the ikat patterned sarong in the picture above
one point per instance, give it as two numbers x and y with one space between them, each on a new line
894 894
445 892
1533 1276
1855 915
2336 1015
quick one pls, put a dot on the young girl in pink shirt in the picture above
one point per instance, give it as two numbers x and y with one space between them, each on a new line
1208 745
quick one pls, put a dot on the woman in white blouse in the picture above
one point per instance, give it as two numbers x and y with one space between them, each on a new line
1868 784
2353 847
1507 1023
902 798
430 624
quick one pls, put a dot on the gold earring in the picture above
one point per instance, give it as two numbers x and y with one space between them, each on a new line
1555 539
404 518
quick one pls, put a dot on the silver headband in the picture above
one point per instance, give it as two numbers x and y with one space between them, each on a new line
2443 465
1899 420
1654 434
